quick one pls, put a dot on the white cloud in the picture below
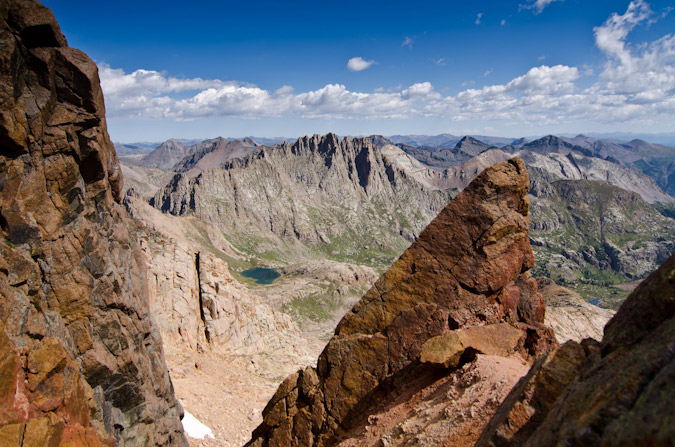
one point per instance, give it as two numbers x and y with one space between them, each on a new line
478 17
116 82
421 89
358 64
610 37
441 61
503 22
640 74
635 84
545 79
538 5
408 42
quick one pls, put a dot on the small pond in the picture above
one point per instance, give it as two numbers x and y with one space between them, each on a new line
261 275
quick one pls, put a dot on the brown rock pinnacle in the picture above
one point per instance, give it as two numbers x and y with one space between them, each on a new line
467 269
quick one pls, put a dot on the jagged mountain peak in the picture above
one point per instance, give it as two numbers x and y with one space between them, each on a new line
213 153
379 140
520 141
552 143
171 142
164 156
468 139
303 191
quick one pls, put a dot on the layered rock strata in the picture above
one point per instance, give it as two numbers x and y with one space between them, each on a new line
81 362
467 272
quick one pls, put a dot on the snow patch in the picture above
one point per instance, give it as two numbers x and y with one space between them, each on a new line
194 428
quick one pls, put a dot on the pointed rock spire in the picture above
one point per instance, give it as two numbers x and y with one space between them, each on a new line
468 269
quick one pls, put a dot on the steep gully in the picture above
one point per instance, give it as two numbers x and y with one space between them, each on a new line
201 299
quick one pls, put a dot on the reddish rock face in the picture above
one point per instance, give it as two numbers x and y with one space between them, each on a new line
620 392
81 362
467 269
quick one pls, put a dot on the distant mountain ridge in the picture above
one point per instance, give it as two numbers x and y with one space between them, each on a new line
363 199
438 152
341 197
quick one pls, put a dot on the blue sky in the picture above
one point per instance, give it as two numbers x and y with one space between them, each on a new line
203 69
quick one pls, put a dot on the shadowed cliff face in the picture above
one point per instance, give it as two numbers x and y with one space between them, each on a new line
618 392
460 290
81 361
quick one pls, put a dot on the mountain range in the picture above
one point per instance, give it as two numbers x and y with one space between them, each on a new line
366 199
119 320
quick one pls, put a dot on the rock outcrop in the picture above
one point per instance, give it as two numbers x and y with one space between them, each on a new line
618 392
464 280
197 302
81 361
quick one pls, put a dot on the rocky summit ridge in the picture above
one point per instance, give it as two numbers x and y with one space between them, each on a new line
460 291
81 360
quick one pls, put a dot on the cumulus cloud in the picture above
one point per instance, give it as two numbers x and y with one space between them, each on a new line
408 42
636 82
538 5
478 17
358 64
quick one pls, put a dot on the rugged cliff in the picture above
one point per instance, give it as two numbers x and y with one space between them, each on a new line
197 303
81 361
618 392
454 304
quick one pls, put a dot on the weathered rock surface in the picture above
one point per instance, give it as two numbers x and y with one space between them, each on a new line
569 315
467 269
81 361
620 392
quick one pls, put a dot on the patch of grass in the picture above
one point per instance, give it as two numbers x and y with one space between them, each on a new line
314 307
